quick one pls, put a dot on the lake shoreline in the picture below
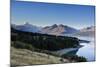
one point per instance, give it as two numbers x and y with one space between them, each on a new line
62 51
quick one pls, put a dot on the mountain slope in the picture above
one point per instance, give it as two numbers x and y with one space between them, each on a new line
88 31
26 27
58 30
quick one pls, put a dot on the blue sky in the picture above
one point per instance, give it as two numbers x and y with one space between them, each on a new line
44 14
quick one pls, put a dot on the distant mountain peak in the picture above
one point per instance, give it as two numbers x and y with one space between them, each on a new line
28 24
87 31
61 25
26 27
54 25
90 28
58 29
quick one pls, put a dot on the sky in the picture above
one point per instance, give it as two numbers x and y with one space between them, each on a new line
46 14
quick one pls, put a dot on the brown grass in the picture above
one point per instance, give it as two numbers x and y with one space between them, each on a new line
27 57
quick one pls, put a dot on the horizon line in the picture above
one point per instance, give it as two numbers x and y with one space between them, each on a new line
50 25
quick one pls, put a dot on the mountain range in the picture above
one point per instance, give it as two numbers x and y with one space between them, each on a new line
58 30
62 30
26 27
88 31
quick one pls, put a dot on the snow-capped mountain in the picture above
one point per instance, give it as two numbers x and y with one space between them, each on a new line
91 28
58 30
62 30
27 27
88 31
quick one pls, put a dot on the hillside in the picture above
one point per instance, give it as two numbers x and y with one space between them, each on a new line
27 57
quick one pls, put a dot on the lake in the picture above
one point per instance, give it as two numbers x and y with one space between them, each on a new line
87 51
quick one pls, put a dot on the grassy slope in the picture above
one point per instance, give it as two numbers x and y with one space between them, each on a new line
27 57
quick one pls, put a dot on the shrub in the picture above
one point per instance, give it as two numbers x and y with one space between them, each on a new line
75 58
22 45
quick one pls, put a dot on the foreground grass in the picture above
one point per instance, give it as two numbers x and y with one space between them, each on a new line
27 57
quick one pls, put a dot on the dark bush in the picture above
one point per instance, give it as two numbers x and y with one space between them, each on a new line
75 57
22 45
